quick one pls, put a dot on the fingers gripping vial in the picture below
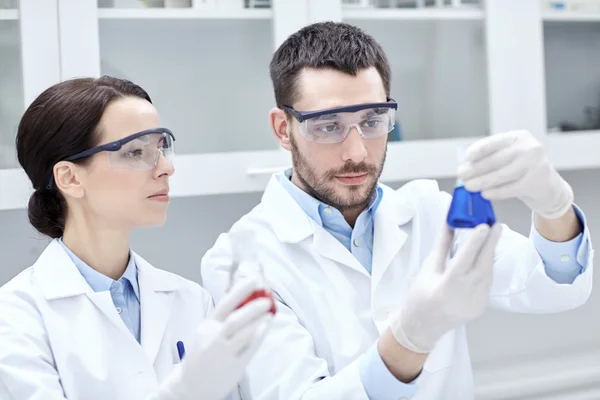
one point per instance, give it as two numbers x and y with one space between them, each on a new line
468 209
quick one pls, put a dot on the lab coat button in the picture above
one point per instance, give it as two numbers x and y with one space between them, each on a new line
327 210
119 310
356 243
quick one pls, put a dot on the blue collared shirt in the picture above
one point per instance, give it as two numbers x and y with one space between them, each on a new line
124 292
563 261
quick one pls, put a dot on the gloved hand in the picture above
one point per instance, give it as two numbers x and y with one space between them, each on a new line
514 164
224 345
447 293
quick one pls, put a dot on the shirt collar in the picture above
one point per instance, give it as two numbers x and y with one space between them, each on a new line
99 282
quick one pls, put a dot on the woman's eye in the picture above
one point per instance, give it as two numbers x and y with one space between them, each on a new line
134 153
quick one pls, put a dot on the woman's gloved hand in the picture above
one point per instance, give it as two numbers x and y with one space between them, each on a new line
224 345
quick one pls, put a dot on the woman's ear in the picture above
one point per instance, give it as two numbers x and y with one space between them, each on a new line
67 179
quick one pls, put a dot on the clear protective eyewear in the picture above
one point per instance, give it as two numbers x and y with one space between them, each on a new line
139 151
371 120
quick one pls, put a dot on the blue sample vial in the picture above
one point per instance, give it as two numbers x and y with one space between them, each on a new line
469 209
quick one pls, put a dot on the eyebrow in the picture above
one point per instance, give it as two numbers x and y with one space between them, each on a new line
366 114
327 117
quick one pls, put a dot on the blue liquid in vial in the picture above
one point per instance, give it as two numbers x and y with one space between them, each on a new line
469 209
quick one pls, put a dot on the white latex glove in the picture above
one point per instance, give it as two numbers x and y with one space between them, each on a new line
224 345
514 165
447 293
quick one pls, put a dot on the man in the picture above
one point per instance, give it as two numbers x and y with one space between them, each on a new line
369 304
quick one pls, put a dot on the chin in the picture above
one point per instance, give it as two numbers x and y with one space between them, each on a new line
355 196
154 220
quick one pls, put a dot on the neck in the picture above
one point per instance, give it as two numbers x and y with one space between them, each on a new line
103 248
350 215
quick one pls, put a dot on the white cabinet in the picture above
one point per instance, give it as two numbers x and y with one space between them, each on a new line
459 72
29 63
11 84
572 81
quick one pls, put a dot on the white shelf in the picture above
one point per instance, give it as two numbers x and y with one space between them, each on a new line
393 14
184 13
244 172
422 159
572 151
571 16
238 172
9 15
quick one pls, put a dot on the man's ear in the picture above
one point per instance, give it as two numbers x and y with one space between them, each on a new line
281 127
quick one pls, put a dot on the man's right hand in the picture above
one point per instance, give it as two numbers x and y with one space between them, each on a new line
447 293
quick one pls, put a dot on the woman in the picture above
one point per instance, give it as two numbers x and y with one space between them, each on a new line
91 319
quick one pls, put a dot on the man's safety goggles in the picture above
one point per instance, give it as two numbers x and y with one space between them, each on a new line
333 125
139 151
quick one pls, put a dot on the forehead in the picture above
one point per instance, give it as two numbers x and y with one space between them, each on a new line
325 88
126 116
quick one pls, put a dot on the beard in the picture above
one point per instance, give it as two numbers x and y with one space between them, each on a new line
325 187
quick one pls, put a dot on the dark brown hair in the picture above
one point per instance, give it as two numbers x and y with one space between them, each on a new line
336 45
63 121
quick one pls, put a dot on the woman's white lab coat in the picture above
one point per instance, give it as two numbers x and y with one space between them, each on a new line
331 311
59 339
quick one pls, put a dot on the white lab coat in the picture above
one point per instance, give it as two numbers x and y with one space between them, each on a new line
59 339
330 311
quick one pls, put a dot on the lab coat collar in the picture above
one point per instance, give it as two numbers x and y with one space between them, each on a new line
57 275
58 278
395 211
156 287
292 225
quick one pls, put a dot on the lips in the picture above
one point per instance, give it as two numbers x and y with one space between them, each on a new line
353 179
164 192
352 175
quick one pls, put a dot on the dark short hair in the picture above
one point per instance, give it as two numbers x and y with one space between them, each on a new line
335 45
60 122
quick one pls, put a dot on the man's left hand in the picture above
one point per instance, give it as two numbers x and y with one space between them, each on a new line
515 165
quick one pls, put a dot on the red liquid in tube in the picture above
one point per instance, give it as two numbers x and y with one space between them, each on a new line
257 294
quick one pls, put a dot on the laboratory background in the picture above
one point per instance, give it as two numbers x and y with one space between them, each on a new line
460 70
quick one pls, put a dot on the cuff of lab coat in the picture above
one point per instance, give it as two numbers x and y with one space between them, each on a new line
564 261
378 381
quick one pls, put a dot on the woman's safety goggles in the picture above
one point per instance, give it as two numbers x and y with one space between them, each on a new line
333 125
139 151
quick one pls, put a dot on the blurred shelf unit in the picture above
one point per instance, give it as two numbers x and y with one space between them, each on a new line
417 14
573 16
9 15
185 13
434 38
242 172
